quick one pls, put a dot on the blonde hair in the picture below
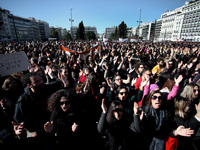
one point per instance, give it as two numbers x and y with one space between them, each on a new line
180 106
188 91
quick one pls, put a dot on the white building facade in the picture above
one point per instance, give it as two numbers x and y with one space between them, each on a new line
182 23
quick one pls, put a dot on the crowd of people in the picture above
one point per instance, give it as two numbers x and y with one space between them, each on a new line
122 96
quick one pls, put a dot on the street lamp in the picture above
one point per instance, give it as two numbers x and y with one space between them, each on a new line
71 20
139 21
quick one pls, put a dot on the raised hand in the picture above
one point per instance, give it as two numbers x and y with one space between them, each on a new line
135 108
48 126
109 82
19 130
178 80
103 106
74 127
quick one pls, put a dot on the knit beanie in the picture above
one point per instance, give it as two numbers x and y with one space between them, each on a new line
153 86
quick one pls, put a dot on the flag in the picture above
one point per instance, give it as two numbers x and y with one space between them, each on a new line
82 53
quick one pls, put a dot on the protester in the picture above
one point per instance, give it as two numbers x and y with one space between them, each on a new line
191 92
157 122
63 122
183 117
112 65
113 123
31 107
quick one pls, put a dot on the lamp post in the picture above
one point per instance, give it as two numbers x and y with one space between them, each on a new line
71 20
139 22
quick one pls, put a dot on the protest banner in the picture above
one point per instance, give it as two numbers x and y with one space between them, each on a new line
83 54
13 62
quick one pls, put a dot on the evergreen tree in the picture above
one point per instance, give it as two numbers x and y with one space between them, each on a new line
54 33
90 35
122 30
80 33
116 34
68 36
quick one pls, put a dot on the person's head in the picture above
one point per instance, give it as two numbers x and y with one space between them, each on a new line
75 66
147 73
154 53
91 65
60 101
160 62
171 64
115 112
33 61
34 82
86 71
79 89
90 58
122 93
54 68
92 79
64 71
9 83
118 80
141 67
190 91
124 66
154 99
182 106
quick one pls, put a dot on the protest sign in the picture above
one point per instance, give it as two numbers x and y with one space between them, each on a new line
13 62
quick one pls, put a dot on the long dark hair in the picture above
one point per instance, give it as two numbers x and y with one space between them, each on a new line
110 118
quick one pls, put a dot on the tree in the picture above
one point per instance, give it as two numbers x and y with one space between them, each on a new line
90 35
122 30
68 36
112 36
80 33
54 33
116 36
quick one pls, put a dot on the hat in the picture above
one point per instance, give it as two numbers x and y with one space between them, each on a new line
153 87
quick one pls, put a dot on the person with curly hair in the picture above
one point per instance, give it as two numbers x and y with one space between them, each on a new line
63 123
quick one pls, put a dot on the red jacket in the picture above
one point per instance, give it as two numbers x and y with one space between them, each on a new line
82 78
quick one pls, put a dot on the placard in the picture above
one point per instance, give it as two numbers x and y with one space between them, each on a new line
13 63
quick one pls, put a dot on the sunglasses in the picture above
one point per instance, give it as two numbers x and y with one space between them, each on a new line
118 110
155 97
122 93
150 74
65 102
195 90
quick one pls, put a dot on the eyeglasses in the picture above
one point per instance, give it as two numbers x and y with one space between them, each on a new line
65 102
154 97
118 110
195 90
141 67
122 93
